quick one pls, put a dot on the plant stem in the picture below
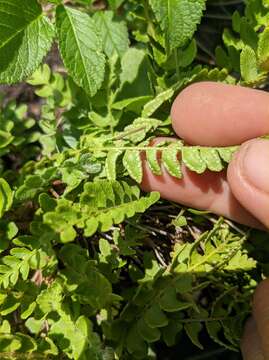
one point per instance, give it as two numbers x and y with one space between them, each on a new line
177 64
227 3
151 29
218 16
207 355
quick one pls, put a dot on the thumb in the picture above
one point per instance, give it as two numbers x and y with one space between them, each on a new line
248 176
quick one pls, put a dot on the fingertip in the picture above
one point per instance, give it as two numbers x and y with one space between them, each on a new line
261 300
221 114
248 176
250 343
261 314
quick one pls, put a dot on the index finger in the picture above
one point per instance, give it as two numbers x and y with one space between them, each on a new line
215 114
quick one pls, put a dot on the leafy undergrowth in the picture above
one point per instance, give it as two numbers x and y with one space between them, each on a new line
91 267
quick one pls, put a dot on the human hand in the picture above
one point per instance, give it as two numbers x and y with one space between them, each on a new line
212 114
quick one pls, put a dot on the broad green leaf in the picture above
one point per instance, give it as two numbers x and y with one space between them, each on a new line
50 299
227 153
192 159
5 327
47 347
9 343
152 160
5 139
111 161
170 332
34 325
105 203
150 108
248 65
155 317
188 55
114 4
135 342
171 161
134 104
9 305
96 290
6 197
212 159
170 303
183 283
178 19
180 221
135 75
193 330
263 50
25 38
41 76
114 33
214 329
139 129
133 164
148 333
28 311
71 336
81 48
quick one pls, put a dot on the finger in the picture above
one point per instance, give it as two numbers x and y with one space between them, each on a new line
221 115
248 176
261 315
209 191
251 343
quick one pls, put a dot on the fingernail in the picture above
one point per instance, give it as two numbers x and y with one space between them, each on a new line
255 164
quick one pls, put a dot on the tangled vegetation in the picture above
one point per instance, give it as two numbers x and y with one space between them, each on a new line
91 267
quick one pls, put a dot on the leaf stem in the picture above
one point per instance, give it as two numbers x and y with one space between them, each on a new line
151 29
227 3
207 355
177 64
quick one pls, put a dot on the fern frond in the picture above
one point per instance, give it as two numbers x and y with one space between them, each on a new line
16 264
171 155
106 203
103 204
153 105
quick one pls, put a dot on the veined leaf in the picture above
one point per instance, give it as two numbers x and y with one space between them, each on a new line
25 38
152 160
170 160
150 108
133 164
227 153
193 330
178 18
114 34
105 203
111 160
81 48
192 159
6 196
212 159
114 4
248 64
263 50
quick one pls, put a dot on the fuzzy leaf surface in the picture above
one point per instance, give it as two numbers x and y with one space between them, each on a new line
25 38
178 18
81 48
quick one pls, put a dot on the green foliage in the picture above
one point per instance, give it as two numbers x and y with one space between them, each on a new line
178 19
81 48
26 36
247 50
90 266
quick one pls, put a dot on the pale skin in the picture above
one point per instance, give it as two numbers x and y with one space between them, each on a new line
213 114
